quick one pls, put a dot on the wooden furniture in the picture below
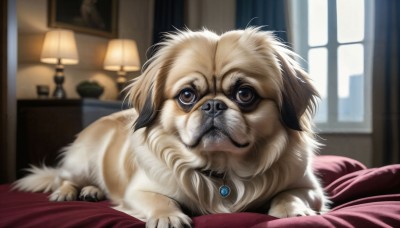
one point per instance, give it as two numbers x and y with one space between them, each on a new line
45 126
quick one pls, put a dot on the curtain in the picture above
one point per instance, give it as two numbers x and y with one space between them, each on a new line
168 16
386 83
271 14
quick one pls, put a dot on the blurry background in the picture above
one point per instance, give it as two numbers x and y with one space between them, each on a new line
354 69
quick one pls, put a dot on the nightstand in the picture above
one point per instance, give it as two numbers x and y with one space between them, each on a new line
45 126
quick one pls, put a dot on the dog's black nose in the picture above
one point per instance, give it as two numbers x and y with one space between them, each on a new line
214 107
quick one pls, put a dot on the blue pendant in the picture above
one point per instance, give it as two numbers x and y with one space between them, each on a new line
224 191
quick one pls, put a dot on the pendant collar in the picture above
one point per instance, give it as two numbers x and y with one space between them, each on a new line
224 190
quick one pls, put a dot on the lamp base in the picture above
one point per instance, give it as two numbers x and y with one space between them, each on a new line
121 83
59 91
121 92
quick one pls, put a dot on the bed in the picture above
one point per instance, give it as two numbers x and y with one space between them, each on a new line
361 197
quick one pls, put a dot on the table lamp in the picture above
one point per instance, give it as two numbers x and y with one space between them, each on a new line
122 56
59 48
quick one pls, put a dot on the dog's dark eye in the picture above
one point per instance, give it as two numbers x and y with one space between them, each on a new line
245 95
187 97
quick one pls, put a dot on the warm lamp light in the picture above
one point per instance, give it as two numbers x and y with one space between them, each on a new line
59 48
122 56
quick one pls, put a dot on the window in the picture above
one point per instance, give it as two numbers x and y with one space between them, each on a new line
334 38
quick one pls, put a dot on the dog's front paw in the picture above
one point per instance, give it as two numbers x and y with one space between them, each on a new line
66 192
91 194
176 220
290 209
298 202
290 204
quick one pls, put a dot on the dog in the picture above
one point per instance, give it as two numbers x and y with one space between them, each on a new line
219 124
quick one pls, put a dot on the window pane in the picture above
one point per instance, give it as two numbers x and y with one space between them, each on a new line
351 82
350 20
318 69
317 22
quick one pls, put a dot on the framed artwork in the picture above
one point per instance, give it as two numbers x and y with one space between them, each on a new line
95 17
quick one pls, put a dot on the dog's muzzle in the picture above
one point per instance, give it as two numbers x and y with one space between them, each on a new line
214 128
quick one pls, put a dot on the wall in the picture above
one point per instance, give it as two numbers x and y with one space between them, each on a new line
356 146
134 22
217 16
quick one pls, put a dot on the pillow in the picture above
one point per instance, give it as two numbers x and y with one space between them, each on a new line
329 167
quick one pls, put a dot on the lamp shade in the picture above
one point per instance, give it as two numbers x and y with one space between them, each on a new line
59 44
122 54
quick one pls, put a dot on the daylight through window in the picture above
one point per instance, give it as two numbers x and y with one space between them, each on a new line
334 38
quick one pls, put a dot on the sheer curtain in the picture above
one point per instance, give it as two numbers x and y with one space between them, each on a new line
386 83
268 13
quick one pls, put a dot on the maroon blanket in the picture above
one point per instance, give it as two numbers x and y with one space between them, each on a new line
361 198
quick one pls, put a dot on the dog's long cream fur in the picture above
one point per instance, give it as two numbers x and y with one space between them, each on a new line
151 160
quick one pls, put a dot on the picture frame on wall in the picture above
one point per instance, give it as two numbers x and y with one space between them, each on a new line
94 17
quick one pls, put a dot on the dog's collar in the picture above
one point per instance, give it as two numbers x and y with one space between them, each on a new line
212 173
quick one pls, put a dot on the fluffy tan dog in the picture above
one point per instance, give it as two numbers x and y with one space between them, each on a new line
220 124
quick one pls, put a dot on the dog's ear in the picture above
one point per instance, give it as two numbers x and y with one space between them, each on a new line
298 94
148 112
146 95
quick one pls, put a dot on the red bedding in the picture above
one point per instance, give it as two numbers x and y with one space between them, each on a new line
361 198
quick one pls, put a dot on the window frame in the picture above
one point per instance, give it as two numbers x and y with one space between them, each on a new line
298 17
